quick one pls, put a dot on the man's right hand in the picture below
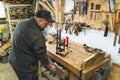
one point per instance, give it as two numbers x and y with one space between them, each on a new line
52 67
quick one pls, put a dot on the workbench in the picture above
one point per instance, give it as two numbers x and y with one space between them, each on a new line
80 64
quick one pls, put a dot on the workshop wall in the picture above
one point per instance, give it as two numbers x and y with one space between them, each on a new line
94 16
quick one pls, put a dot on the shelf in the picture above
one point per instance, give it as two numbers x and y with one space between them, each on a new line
3 21
95 10
13 20
15 5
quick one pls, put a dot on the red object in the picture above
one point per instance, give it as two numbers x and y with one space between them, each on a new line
66 27
64 43
50 24
72 16
67 40
5 1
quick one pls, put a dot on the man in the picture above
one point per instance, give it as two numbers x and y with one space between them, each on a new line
29 47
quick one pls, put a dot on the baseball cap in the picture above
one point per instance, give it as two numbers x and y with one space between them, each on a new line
44 14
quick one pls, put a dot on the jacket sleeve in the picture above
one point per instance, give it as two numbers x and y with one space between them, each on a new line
40 50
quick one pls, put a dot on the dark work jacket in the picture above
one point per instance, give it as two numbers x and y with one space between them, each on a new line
28 46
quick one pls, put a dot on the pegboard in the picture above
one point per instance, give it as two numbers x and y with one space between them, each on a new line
97 12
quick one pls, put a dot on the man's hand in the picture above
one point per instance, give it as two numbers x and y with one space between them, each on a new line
52 67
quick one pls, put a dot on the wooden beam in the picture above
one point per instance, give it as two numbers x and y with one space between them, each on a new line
39 3
50 6
38 7
61 11
57 10
46 7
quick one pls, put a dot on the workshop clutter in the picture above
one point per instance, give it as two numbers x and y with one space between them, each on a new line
61 45
13 24
60 74
4 33
93 50
20 12
4 52
76 28
4 42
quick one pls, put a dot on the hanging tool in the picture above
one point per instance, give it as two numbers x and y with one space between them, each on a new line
66 28
106 28
117 25
61 44
83 8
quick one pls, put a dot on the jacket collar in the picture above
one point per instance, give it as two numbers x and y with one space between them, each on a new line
36 24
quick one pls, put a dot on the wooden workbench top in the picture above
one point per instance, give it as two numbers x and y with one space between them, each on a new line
75 58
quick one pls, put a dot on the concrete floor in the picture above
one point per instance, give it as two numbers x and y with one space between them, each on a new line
7 73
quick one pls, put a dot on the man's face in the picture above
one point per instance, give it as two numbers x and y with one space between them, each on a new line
43 23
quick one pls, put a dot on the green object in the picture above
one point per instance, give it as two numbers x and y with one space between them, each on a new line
4 59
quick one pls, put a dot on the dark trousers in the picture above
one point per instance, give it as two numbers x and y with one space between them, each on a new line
27 75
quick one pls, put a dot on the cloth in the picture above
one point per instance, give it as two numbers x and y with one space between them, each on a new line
28 47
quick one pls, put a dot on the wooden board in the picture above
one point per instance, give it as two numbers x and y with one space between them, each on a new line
94 59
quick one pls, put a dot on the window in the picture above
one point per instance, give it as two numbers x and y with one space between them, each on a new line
2 10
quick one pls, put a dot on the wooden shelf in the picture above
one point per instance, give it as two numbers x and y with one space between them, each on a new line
9 20
15 5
